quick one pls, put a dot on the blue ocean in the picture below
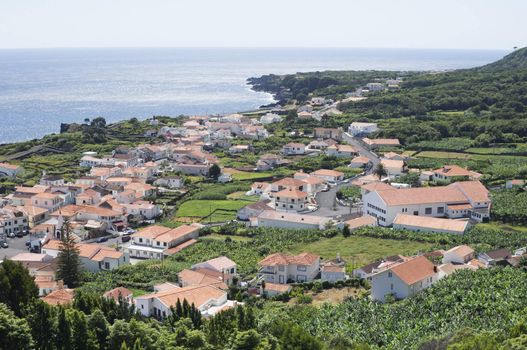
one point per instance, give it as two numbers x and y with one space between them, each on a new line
39 89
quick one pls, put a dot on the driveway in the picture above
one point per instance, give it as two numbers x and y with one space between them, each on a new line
363 151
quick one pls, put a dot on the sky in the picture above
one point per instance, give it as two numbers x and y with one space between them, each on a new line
457 24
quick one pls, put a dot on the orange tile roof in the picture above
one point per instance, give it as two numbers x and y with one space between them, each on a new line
377 186
197 295
289 182
366 220
472 189
284 259
291 193
180 247
327 172
414 270
455 170
118 292
461 250
202 277
424 195
279 288
151 231
107 252
360 159
176 233
431 223
59 297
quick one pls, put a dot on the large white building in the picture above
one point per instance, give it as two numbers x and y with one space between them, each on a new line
358 128
466 199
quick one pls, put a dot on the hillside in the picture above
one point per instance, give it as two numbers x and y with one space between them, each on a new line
487 104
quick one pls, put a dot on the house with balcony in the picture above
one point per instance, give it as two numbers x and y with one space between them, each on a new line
290 200
282 268
157 242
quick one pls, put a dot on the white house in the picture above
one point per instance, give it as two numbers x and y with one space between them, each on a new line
359 162
46 200
270 118
404 279
358 128
332 176
170 182
454 172
393 167
223 265
290 200
341 151
156 242
208 299
460 199
282 269
461 254
294 148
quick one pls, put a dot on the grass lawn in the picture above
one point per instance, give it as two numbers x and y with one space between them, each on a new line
245 175
138 292
241 196
202 208
359 251
504 227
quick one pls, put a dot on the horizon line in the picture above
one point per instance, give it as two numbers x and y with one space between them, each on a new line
255 47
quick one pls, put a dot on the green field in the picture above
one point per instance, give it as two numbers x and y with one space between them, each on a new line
219 237
241 196
505 227
203 208
466 156
245 175
359 251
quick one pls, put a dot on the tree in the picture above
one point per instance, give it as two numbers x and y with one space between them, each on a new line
17 287
346 231
380 171
247 340
214 172
82 339
69 266
63 338
14 331
42 318
101 329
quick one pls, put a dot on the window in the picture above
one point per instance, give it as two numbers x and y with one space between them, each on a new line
440 210
390 275
416 212
428 211
107 265
301 268
391 286
281 268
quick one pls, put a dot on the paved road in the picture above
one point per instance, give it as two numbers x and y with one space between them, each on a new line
16 246
328 207
363 151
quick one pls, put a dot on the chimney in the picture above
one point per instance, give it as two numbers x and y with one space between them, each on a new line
60 284
435 268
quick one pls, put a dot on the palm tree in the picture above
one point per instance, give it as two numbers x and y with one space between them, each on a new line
380 171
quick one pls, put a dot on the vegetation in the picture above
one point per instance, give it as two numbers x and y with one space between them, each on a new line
69 265
466 299
510 206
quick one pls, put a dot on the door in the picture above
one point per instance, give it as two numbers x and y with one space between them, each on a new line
281 279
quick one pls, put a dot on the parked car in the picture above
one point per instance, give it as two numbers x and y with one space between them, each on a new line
28 244
4 244
102 239
11 235
20 234
126 238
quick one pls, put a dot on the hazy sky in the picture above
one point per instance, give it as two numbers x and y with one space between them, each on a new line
485 24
